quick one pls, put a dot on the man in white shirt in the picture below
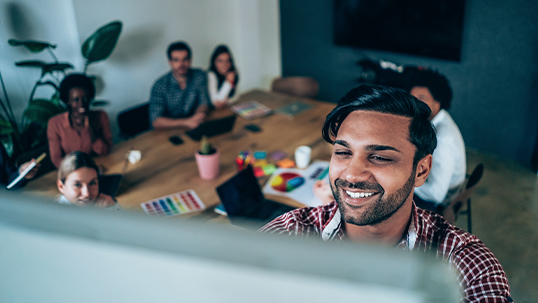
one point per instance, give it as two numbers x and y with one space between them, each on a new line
449 165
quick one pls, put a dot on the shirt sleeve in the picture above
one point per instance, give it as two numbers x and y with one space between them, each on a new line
8 171
156 101
103 144
215 93
203 91
481 275
55 146
283 224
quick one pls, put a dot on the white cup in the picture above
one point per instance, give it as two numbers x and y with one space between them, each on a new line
302 156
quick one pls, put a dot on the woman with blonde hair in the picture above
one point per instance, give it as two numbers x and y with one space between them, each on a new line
78 181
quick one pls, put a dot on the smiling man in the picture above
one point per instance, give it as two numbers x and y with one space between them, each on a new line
382 149
180 97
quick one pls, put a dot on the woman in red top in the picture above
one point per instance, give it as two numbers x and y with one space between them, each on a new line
78 129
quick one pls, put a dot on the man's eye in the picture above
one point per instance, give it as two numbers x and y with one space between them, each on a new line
344 153
378 158
77 185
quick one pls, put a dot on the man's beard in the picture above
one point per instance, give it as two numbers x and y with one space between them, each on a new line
376 211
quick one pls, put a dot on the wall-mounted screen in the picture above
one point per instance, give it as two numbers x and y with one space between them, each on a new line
431 28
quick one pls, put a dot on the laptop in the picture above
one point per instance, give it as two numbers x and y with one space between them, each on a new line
212 128
110 184
244 202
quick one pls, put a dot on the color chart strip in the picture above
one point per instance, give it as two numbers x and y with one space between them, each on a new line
174 204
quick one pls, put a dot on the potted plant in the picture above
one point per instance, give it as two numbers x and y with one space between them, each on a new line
30 132
207 159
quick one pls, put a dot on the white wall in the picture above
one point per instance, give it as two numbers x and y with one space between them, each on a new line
249 27
44 20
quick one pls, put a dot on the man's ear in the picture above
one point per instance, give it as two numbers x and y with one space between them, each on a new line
61 186
424 167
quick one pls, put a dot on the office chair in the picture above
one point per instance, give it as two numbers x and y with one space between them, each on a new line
298 86
134 120
454 209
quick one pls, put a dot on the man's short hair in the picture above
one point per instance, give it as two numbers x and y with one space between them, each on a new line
387 100
180 45
436 83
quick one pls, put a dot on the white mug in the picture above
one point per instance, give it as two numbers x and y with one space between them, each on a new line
302 156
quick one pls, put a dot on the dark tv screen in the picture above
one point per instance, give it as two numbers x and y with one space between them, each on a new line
431 28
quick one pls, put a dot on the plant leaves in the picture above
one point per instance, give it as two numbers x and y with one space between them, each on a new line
53 67
55 99
31 45
97 103
30 63
101 43
40 83
5 128
41 110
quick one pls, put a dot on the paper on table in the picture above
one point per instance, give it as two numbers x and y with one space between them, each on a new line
303 193
26 171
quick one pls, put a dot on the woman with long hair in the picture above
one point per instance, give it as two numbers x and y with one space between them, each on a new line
222 77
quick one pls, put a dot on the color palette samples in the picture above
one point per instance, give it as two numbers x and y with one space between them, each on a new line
174 204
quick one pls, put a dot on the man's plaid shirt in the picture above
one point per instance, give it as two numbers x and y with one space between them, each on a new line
480 274
169 100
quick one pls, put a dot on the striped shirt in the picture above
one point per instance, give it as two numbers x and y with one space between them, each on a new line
480 275
169 100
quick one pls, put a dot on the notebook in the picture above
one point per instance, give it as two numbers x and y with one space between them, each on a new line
244 202
294 108
212 128
251 109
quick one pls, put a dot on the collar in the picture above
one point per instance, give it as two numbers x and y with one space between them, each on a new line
334 225
441 115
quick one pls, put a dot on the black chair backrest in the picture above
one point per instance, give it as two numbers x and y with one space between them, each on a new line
475 176
134 120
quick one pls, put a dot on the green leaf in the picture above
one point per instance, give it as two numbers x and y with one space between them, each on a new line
31 63
96 103
55 99
31 45
5 128
101 43
53 67
41 110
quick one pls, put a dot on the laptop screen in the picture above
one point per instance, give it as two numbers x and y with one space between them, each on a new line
240 193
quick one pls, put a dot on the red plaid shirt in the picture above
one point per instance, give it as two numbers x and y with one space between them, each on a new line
481 276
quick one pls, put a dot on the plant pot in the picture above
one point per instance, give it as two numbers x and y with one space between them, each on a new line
208 165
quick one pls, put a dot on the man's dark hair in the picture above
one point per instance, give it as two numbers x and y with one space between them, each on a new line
386 100
436 83
180 45
79 81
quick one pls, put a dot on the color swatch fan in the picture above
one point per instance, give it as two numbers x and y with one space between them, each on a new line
174 204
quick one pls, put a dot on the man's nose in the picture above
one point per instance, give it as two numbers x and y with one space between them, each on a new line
358 170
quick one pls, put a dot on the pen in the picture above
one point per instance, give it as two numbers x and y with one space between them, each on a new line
27 170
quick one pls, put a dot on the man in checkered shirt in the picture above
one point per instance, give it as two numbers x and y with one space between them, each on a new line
179 98
382 149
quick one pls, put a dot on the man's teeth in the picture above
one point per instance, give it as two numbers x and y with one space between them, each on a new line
358 195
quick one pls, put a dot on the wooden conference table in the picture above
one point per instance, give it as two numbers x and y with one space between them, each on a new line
166 169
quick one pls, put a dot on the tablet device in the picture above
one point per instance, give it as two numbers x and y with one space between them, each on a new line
212 128
110 184
244 202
